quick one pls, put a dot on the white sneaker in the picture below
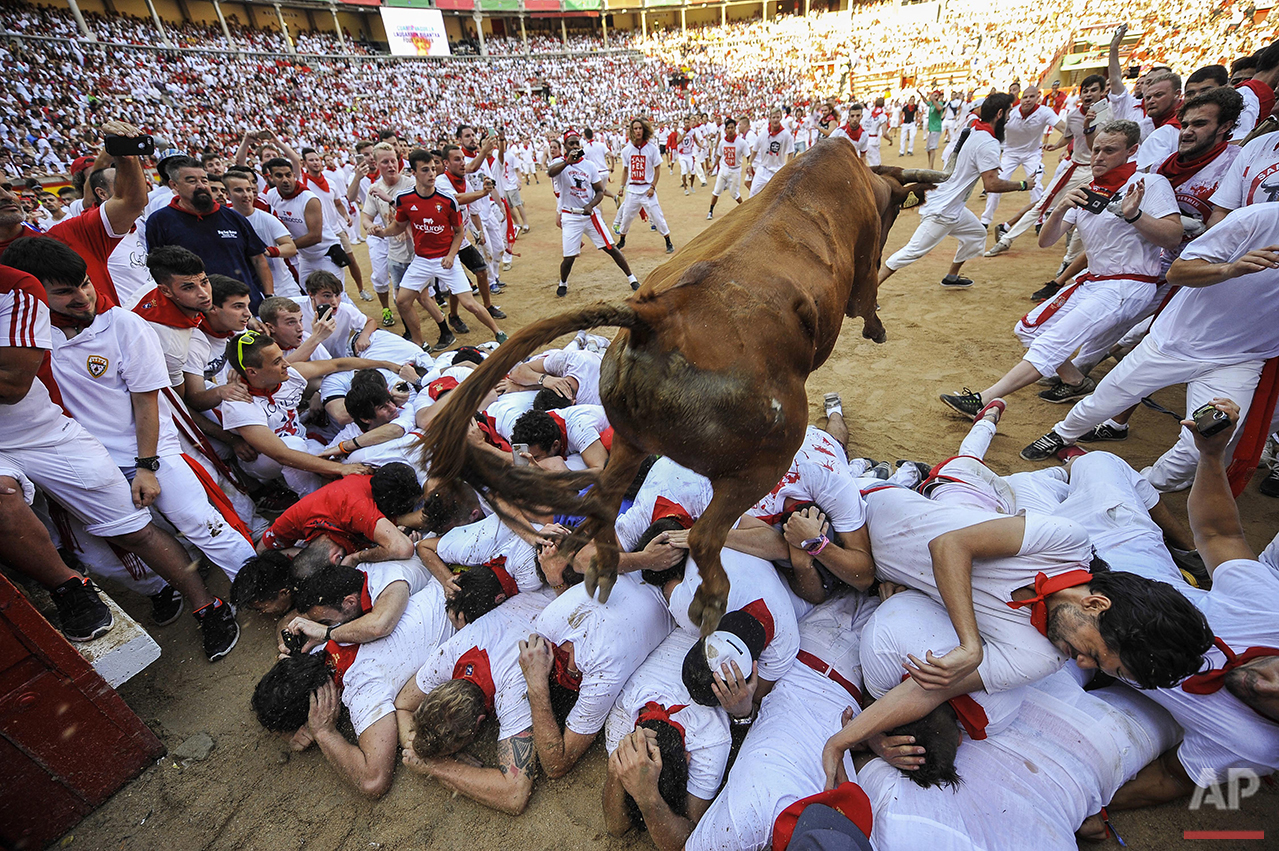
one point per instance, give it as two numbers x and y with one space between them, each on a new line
686 190
998 248
365 295
506 266
710 216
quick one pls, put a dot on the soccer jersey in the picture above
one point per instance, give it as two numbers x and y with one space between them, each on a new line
24 323
343 510
433 219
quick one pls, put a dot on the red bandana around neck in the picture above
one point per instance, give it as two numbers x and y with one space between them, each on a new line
982 125
654 711
855 135
1170 118
320 182
664 507
563 427
498 566
1265 96
1212 681
492 437
473 666
560 672
1114 180
159 308
1178 172
62 320
1045 587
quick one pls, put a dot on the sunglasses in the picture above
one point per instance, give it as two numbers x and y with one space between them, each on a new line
247 338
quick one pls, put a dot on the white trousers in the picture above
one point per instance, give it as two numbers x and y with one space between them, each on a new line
637 198
1032 163
1095 310
931 231
907 144
1065 180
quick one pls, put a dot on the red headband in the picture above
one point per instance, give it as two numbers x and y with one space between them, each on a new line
498 566
654 711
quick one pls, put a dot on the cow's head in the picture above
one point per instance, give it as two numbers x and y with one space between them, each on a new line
899 188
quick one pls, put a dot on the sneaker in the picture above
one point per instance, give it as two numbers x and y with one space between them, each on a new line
496 288
456 323
496 312
1045 292
913 472
860 466
670 248
998 248
685 190
956 282
833 404
1045 447
966 402
221 632
617 229
561 291
1192 566
1049 381
166 606
881 471
621 241
501 337
365 295
703 184
1068 392
652 227
388 318
1104 432
1000 230
1270 484
527 228
445 341
506 265
635 285
995 406
710 215
83 614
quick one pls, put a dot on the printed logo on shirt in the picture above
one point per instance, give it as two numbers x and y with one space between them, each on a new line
1265 186
97 365
229 234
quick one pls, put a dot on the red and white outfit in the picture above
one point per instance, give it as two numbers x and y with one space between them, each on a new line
505 410
609 642
1253 178
269 229
781 759
580 426
659 681
277 410
874 122
96 371
686 152
903 523
770 154
857 135
487 541
433 220
731 155
291 211
641 170
371 675
1124 272
755 588
1072 172
1258 103
1023 148
818 474
575 187
669 490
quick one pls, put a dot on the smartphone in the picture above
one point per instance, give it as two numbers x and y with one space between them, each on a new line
517 454
322 311
125 146
1097 201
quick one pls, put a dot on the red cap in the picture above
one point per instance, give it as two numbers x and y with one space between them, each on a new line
440 386
80 164
848 800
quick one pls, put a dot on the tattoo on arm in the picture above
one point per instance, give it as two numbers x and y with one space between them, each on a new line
519 755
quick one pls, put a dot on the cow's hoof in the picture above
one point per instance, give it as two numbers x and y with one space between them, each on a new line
597 580
706 613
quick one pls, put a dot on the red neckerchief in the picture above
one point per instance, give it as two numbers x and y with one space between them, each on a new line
1265 96
1114 180
498 566
1045 587
1212 681
982 125
855 135
488 426
654 711
219 335
1170 118
771 134
320 181
459 183
1025 114
560 672
62 320
473 666
1179 172
475 152
298 186
340 658
563 427
269 395
159 308
664 507
970 714
758 609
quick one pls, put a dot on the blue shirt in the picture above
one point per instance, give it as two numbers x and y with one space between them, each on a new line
223 239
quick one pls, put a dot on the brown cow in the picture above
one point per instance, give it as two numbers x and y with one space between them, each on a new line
710 365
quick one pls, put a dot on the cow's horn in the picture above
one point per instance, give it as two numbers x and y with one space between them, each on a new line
924 175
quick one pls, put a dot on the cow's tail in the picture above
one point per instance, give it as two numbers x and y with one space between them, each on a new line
445 445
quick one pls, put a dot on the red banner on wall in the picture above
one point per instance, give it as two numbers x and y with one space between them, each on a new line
542 5
361 2
456 5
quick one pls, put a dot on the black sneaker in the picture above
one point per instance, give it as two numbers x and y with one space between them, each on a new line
966 402
496 312
1045 447
1064 392
83 614
1192 566
1045 292
670 248
166 606
1104 432
1000 230
456 323
445 341
621 241
220 630
635 285
561 291
1270 484
956 282
881 471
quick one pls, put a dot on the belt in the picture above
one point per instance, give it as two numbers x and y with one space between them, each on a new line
829 672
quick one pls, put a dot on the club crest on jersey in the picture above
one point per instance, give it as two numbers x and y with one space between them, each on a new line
97 365
469 670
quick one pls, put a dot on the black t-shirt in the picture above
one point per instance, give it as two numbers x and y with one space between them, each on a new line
908 113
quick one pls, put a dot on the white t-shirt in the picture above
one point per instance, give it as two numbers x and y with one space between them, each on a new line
382 667
1253 178
597 152
575 184
488 539
1081 153
819 474
97 369
1025 134
1221 731
292 213
1231 322
399 248
24 323
641 163
861 144
706 735
754 586
1157 147
668 480
350 321
584 366
584 424
127 266
980 154
733 154
1249 116
771 150
269 229
494 640
609 640
1114 246
508 408
277 411
902 524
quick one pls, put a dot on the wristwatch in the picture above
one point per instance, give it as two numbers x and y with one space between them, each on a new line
151 462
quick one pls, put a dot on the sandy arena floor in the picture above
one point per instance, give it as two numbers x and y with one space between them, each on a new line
251 793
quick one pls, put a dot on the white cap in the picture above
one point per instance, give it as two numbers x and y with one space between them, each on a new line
724 648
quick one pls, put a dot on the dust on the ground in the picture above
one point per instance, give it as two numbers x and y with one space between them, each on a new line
252 793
